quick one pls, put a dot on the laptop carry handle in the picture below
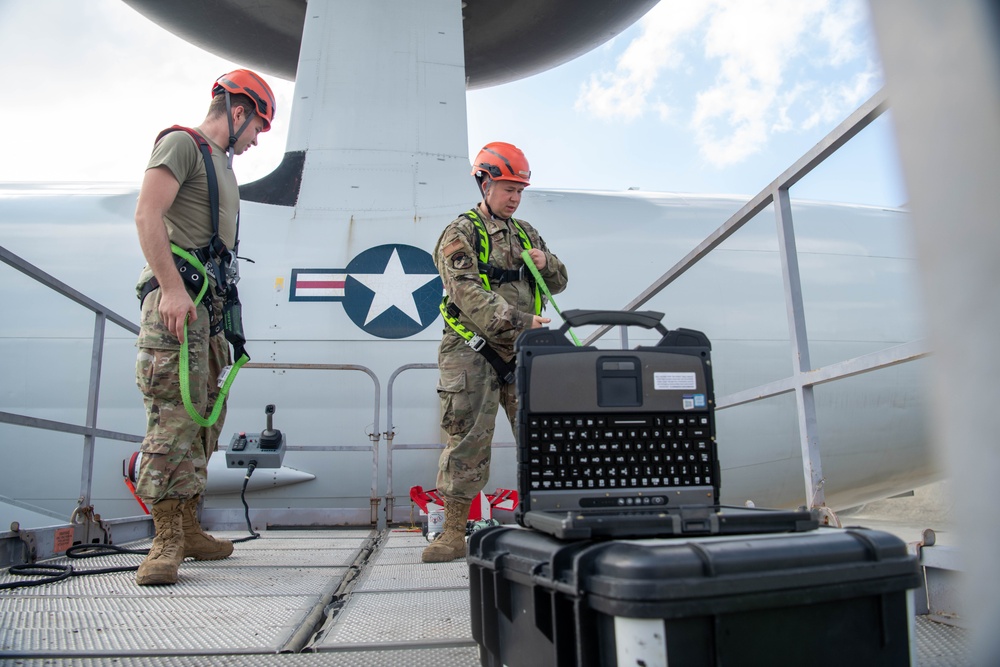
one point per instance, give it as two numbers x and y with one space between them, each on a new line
649 319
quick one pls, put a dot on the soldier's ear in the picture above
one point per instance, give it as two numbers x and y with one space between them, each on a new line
239 115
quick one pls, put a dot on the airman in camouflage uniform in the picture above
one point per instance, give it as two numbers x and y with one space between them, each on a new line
175 207
470 388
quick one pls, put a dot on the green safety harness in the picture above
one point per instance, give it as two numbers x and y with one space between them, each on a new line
193 267
488 272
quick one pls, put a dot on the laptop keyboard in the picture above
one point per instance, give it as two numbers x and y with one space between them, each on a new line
620 451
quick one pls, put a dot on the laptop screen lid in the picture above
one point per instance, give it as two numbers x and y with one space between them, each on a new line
601 429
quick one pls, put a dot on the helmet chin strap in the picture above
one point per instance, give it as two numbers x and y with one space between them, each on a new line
233 137
484 185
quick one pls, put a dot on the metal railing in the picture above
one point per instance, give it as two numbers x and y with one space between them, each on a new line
42 541
390 434
373 436
804 377
88 430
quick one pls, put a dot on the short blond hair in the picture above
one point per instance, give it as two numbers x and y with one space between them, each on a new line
218 106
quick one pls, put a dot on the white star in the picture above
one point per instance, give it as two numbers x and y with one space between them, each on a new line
393 287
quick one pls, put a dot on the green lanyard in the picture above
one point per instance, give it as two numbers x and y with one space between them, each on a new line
526 256
185 360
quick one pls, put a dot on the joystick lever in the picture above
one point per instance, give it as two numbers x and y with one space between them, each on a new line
270 437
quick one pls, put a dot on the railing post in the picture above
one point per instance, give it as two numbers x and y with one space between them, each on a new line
390 498
812 467
375 500
93 396
390 433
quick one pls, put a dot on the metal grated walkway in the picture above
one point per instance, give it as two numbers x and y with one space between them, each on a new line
351 597
282 599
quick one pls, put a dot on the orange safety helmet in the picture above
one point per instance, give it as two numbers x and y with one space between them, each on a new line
245 82
501 162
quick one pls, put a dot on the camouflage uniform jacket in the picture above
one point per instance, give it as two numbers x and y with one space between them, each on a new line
501 314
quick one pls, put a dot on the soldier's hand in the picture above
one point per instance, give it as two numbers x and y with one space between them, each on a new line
174 307
537 321
538 257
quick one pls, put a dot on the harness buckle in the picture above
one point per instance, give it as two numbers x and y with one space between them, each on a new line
476 342
232 267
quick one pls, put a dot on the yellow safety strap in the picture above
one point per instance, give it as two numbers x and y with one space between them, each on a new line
453 322
483 246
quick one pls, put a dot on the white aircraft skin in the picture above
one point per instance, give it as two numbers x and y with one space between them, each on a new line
376 190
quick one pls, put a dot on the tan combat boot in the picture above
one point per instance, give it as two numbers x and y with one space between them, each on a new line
197 543
450 544
167 552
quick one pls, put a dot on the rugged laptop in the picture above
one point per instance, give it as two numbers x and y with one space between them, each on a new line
622 443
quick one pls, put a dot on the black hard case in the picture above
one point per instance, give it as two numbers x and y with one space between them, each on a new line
573 377
825 597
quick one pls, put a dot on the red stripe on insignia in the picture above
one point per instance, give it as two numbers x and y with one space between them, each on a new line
320 284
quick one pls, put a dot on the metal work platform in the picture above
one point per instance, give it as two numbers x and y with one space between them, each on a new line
351 597
331 597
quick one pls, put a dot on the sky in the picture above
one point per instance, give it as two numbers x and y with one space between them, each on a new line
699 96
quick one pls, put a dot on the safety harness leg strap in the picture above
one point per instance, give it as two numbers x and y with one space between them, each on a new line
504 369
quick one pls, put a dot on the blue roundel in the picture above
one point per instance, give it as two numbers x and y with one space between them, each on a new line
392 291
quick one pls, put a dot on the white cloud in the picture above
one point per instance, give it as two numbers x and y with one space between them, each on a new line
729 121
753 44
117 80
764 67
786 102
836 101
624 93
840 30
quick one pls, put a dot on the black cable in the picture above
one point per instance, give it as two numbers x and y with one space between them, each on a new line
53 573
36 570
246 508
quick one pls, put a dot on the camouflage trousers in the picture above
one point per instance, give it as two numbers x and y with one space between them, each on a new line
176 450
471 395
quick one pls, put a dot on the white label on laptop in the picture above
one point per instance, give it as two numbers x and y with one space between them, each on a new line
674 381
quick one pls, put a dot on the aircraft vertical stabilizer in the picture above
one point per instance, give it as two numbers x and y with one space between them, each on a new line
382 122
